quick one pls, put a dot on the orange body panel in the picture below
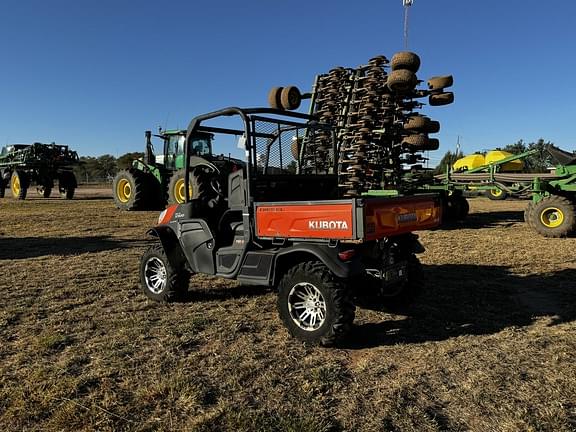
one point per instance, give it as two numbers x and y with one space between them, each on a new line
361 219
326 221
399 216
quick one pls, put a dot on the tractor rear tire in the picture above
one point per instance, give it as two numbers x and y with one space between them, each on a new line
2 187
553 216
314 305
497 194
405 60
160 281
177 191
19 184
129 190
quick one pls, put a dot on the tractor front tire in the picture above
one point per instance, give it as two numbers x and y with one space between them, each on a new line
160 281
553 216
19 184
314 305
129 190
44 191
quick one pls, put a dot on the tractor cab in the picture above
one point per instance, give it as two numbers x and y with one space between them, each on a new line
174 142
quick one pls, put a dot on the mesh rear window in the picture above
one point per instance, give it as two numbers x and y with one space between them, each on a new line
281 148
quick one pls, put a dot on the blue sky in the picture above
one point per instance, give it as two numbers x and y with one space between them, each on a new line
95 75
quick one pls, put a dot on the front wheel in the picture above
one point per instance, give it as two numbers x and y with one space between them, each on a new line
553 216
314 305
160 281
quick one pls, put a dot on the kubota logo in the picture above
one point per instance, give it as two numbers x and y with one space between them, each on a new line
327 225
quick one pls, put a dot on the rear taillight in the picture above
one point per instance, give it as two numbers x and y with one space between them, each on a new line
346 255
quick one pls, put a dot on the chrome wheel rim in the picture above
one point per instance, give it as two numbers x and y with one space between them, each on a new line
155 275
307 306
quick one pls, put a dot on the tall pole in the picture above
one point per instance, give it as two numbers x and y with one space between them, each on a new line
407 4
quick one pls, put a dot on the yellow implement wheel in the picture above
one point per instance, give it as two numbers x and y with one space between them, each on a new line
552 217
123 190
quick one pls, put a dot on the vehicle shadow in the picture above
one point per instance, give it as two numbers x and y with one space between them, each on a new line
473 300
32 247
490 219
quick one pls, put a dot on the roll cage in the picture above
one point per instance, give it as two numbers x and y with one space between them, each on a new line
277 143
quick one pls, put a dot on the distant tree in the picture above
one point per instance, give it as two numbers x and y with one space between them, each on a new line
447 160
540 161
107 166
125 161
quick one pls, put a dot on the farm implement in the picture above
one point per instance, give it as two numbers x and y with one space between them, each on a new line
318 209
551 211
22 165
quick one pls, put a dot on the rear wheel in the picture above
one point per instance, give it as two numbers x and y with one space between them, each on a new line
67 184
314 305
160 281
553 216
497 194
19 184
44 191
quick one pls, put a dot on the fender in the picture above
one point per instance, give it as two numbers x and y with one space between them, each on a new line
325 254
198 161
170 244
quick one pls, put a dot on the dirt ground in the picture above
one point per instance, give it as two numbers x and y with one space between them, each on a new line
490 345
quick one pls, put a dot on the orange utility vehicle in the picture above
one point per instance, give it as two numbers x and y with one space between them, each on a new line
279 221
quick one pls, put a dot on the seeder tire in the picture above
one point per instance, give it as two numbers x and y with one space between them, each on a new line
553 216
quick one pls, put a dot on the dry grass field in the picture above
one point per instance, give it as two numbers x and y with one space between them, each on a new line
490 346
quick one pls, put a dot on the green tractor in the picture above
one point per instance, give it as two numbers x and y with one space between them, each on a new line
159 178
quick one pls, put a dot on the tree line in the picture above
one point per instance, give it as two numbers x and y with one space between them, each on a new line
102 169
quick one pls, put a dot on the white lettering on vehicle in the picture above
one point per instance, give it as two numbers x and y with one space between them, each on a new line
327 225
